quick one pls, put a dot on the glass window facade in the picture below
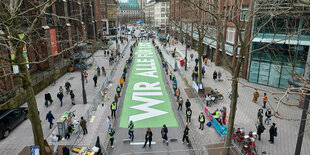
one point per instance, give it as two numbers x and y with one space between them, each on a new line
275 64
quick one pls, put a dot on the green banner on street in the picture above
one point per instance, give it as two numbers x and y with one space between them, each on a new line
146 101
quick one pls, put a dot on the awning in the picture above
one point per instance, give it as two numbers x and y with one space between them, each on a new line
282 39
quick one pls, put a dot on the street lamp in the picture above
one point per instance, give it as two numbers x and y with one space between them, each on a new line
82 67
186 47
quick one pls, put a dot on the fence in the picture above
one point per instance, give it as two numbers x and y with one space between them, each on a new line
98 99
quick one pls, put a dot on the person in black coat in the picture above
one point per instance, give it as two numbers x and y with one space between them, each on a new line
164 132
260 129
148 138
214 75
60 95
187 104
272 132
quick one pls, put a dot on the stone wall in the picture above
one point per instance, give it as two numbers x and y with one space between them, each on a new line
18 100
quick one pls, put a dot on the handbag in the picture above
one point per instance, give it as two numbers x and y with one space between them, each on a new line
275 133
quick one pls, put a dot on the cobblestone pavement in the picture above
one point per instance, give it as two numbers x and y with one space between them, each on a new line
246 115
22 135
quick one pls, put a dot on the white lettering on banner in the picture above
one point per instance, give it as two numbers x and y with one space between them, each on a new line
150 64
146 86
153 68
144 55
148 102
145 60
148 74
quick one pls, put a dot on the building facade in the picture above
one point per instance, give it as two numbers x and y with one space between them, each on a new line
161 13
52 35
129 12
149 17
281 46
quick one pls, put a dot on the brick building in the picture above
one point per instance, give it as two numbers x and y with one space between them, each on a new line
66 23
181 15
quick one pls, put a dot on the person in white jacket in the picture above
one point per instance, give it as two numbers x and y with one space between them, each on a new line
54 140
75 123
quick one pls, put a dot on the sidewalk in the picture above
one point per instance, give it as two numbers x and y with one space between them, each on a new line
246 115
22 135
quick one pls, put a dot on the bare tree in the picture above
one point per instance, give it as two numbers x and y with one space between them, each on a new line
25 17
258 10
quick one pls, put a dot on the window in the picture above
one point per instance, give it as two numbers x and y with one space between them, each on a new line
244 13
101 1
230 34
162 4
162 15
162 9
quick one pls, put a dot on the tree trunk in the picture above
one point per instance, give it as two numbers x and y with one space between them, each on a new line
200 52
233 104
30 96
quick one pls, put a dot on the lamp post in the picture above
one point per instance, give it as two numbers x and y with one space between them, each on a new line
83 86
186 47
305 108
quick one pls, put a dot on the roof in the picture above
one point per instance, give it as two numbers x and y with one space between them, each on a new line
129 5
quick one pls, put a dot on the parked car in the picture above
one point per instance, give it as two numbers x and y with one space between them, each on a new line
10 119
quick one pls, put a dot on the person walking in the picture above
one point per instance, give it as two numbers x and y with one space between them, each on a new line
170 75
186 135
219 74
260 116
201 120
272 133
72 97
46 99
174 86
203 71
61 89
268 115
206 60
164 132
260 129
148 138
180 104
113 109
49 118
111 133
265 100
130 130
208 99
196 60
83 125
121 81
187 104
118 91
98 71
95 80
85 76
109 123
54 140
214 75
167 68
178 93
255 96
60 96
188 115
116 98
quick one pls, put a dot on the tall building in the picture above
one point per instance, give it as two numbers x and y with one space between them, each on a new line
129 12
161 12
149 16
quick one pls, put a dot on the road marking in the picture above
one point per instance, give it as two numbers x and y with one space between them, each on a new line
92 119
140 143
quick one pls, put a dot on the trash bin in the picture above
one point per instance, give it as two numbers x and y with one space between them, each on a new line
182 62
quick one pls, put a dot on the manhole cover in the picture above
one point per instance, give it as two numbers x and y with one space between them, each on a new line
71 78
